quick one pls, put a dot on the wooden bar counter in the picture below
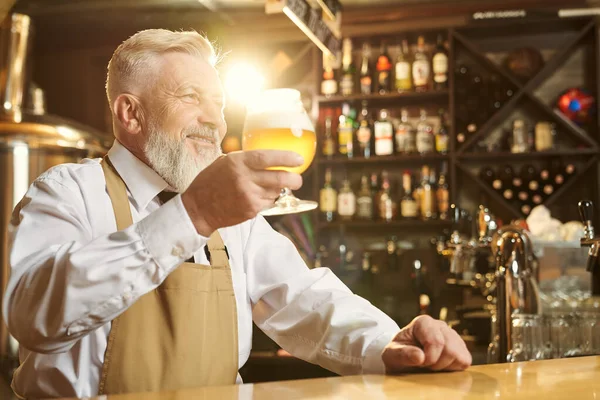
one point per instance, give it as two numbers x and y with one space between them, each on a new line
573 379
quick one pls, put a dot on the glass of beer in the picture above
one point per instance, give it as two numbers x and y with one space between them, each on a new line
276 120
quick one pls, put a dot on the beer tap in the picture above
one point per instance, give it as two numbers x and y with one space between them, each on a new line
586 212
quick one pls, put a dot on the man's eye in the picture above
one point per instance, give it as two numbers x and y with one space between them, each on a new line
192 96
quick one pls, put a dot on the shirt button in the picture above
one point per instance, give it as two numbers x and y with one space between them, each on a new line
177 251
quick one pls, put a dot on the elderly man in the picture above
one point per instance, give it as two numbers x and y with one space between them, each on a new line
143 271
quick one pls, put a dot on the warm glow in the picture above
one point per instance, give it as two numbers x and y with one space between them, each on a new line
243 82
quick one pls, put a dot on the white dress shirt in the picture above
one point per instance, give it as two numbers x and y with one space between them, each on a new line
72 273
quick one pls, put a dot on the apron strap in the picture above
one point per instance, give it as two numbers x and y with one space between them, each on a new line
117 192
217 253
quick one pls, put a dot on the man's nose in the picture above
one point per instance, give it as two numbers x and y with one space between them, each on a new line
212 115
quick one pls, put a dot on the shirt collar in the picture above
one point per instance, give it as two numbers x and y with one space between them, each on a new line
143 182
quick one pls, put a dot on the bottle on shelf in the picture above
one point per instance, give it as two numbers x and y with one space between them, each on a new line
364 201
404 69
570 171
329 85
443 194
487 175
364 133
470 129
366 71
328 198
557 172
421 70
409 208
374 185
386 204
346 201
426 195
346 132
546 183
439 63
442 137
392 253
544 136
505 176
384 143
348 69
384 71
519 137
405 135
425 136
328 141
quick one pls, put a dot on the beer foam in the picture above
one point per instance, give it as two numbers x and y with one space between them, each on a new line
278 119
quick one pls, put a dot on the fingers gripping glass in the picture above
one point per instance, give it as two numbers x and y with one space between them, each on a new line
277 121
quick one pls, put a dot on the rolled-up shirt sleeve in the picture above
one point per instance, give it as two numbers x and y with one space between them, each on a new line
311 313
65 283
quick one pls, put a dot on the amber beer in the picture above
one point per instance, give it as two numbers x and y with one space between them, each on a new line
301 141
281 125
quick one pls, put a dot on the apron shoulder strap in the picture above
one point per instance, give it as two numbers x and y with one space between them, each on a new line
217 251
117 191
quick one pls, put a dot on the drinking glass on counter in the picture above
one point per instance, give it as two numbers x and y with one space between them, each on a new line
527 338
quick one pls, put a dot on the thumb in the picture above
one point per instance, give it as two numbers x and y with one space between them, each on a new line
399 357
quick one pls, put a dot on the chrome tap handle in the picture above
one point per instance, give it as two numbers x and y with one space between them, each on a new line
586 212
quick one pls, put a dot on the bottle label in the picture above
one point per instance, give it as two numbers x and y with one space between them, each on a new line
401 139
347 85
328 147
409 209
329 87
424 142
443 200
383 78
364 207
383 138
328 200
345 140
421 72
440 68
403 75
427 203
363 135
365 85
441 143
346 204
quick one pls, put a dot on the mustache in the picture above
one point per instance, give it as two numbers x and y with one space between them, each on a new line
203 131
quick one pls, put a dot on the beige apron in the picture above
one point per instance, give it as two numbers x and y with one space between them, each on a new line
181 335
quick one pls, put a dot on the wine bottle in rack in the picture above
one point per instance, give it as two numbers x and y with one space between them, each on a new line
557 172
546 183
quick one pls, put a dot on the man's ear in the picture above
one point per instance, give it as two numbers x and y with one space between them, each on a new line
128 112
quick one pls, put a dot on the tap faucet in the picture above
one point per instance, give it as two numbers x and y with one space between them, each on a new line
586 211
517 289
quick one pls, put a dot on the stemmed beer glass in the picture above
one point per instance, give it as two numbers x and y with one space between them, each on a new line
276 120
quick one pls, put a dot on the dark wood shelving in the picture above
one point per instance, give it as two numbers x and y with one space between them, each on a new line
385 98
408 223
527 156
397 159
564 188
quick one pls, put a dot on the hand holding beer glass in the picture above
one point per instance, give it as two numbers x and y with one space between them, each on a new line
277 121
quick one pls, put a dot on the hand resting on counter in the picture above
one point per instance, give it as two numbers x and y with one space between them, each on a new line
426 343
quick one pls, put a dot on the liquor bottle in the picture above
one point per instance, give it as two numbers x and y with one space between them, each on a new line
383 69
364 133
366 71
348 69
440 65
405 135
421 70
391 246
328 198
364 201
441 137
408 205
329 85
346 132
443 195
403 69
426 195
425 136
544 136
384 144
346 201
328 142
374 191
519 138
386 205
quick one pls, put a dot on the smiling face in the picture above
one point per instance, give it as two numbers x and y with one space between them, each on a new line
184 123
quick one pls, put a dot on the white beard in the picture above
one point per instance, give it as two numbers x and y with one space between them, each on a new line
171 159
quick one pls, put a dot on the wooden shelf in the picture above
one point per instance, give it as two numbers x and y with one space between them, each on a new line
386 98
527 156
397 159
408 223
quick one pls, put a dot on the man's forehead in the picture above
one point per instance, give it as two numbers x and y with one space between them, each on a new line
177 69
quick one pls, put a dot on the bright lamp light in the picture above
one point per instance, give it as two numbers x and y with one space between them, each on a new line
243 82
